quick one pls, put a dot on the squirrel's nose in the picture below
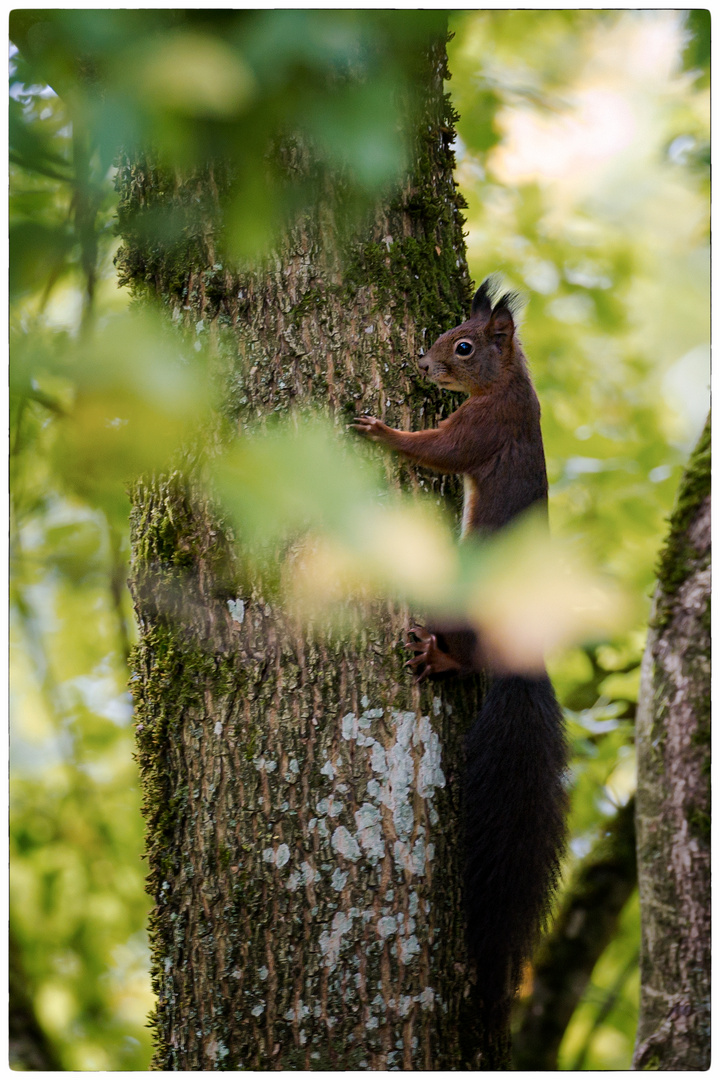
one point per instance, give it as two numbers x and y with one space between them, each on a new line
423 363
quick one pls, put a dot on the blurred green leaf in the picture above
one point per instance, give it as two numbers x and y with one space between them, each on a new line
34 249
291 476
612 250
188 72
36 144
696 56
133 395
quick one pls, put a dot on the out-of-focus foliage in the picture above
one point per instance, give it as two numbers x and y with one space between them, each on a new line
350 536
100 393
604 1024
77 901
583 155
194 87
609 237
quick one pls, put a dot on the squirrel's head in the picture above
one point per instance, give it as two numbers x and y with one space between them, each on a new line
471 356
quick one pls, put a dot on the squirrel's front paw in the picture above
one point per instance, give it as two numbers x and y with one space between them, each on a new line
428 655
370 427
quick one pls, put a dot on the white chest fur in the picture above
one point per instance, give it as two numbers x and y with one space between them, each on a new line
469 498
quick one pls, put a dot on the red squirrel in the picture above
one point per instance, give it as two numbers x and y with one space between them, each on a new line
516 752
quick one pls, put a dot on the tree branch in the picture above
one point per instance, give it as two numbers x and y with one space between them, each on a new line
584 927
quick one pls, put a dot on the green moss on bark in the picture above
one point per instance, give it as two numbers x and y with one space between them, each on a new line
679 551
308 914
673 735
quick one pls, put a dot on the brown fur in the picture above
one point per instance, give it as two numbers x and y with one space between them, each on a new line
494 438
514 799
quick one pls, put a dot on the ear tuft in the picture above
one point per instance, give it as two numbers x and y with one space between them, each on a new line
510 301
482 304
490 302
503 319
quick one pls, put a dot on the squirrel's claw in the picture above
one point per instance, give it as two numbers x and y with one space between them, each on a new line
434 660
371 428
421 647
425 640
414 664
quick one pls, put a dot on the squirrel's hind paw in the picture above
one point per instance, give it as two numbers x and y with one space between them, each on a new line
428 653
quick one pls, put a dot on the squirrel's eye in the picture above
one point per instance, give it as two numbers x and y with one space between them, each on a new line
464 348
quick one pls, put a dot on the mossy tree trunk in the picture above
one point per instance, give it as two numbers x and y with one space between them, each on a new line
301 794
673 802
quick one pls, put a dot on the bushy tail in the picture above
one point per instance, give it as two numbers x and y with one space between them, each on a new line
515 808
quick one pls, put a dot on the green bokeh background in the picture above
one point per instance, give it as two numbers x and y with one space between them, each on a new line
583 157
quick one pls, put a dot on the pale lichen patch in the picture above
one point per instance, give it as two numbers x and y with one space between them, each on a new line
237 610
345 844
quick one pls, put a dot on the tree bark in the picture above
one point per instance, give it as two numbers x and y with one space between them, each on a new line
301 794
673 802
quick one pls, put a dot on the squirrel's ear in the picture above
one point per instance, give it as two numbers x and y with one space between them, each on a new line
504 314
502 323
482 300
